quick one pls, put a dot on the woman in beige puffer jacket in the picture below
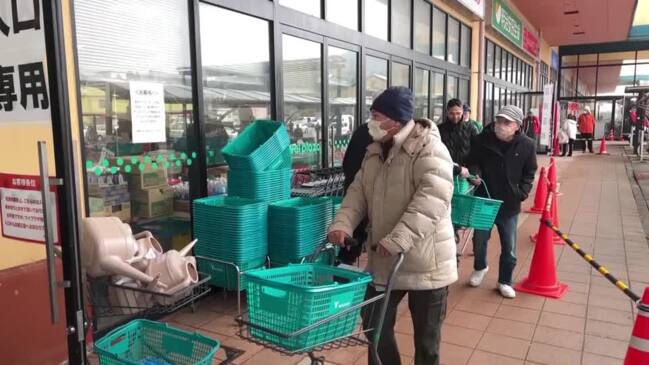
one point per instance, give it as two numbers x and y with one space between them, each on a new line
407 199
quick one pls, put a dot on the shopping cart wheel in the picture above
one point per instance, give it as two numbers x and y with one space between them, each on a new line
316 360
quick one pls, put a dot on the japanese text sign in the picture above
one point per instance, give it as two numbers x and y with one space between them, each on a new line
21 208
23 69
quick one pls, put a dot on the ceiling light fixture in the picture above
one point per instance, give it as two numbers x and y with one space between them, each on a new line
572 12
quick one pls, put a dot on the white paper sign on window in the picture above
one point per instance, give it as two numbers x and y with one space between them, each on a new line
23 70
147 112
546 115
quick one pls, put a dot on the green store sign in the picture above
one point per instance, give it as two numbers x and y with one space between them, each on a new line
505 21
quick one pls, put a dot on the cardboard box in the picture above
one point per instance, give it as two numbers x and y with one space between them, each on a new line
147 179
152 203
121 211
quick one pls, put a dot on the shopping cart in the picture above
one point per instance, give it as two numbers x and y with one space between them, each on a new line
323 182
360 336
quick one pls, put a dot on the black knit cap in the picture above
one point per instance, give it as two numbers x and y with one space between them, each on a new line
396 103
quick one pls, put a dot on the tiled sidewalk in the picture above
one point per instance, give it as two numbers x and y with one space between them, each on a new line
590 325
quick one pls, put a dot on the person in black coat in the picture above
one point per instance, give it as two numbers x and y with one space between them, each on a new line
457 135
505 159
352 162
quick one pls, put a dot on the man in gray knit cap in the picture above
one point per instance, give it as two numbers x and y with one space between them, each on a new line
505 158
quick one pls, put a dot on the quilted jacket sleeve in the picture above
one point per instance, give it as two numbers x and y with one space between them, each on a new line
433 176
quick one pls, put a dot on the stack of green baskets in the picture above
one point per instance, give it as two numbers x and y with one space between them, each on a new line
297 227
260 162
232 230
336 202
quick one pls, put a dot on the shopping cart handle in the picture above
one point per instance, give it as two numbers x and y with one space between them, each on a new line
351 242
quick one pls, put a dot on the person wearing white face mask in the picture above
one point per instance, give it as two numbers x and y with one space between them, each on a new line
506 161
404 188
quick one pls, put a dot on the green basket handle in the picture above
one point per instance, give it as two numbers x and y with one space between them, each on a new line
482 182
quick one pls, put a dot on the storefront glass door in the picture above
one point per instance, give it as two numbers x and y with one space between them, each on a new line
37 326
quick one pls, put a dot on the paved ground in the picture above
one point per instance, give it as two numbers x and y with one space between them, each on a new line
590 325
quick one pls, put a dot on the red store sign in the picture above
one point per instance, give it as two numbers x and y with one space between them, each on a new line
21 208
530 42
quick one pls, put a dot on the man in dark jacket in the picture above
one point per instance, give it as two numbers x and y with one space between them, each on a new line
506 160
457 135
352 162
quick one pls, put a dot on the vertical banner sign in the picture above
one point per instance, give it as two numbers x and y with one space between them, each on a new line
23 69
505 21
476 6
147 112
546 115
21 208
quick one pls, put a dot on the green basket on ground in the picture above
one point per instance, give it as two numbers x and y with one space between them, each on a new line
267 186
474 211
289 298
224 275
258 146
143 342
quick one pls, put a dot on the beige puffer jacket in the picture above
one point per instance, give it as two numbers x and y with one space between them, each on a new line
408 201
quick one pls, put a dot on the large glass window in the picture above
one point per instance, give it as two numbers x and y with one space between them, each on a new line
376 80
489 63
437 97
586 81
421 93
343 12
453 40
302 99
422 26
136 149
498 64
465 46
311 7
236 84
343 84
463 91
451 87
400 22
439 34
400 75
489 104
376 18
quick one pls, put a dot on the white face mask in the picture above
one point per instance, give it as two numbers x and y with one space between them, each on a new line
504 133
375 130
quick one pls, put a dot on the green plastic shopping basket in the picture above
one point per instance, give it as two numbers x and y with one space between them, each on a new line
143 342
473 211
460 185
289 298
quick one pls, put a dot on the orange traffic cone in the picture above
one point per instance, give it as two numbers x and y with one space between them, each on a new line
638 352
542 278
552 174
541 194
611 136
602 147
555 221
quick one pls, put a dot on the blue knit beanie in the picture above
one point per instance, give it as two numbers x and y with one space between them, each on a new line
396 103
